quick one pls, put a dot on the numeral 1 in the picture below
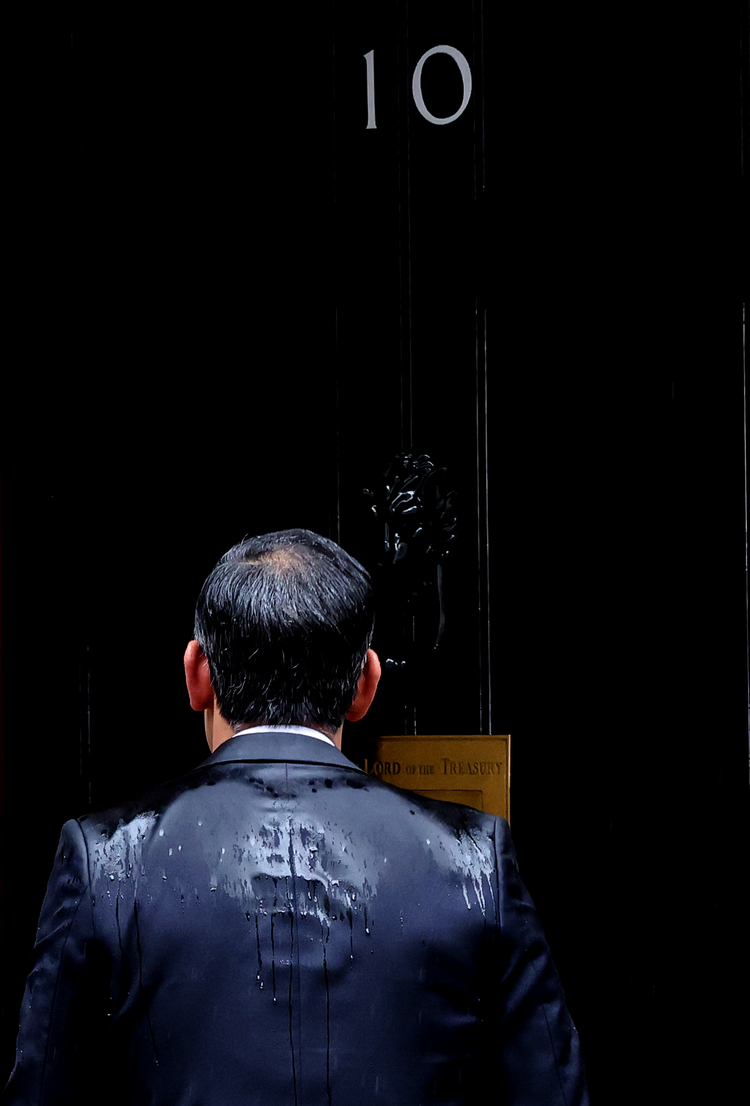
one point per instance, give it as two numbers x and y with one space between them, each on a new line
370 59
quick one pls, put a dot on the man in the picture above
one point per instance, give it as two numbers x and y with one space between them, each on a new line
276 927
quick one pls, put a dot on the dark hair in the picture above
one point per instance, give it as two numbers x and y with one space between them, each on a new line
285 621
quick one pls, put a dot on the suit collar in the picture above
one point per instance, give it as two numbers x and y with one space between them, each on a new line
318 734
278 746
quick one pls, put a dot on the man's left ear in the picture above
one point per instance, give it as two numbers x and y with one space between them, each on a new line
366 688
198 678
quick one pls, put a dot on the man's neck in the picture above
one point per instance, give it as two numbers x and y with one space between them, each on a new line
218 730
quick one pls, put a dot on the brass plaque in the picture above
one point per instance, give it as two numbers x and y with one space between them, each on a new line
473 769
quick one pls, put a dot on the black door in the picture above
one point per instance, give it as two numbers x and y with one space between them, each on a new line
264 272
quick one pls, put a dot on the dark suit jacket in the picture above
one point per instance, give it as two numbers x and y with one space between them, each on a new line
276 927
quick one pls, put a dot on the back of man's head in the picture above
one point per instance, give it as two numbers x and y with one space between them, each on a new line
285 621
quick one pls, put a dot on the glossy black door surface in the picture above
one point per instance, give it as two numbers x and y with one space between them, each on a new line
254 269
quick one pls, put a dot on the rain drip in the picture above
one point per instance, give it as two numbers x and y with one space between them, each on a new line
325 933
291 1005
273 953
293 872
260 958
140 980
117 920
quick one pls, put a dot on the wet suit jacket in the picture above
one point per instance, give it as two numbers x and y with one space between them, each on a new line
277 927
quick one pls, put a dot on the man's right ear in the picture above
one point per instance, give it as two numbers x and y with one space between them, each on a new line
198 678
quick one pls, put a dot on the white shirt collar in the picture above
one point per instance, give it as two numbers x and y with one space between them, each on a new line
286 729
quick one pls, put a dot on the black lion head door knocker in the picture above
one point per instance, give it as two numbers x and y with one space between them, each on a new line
413 518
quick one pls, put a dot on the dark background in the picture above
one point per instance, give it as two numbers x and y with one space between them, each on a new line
232 305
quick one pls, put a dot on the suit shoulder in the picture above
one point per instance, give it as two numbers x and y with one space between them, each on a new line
454 816
140 810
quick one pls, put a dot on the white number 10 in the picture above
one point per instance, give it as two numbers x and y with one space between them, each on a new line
416 86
